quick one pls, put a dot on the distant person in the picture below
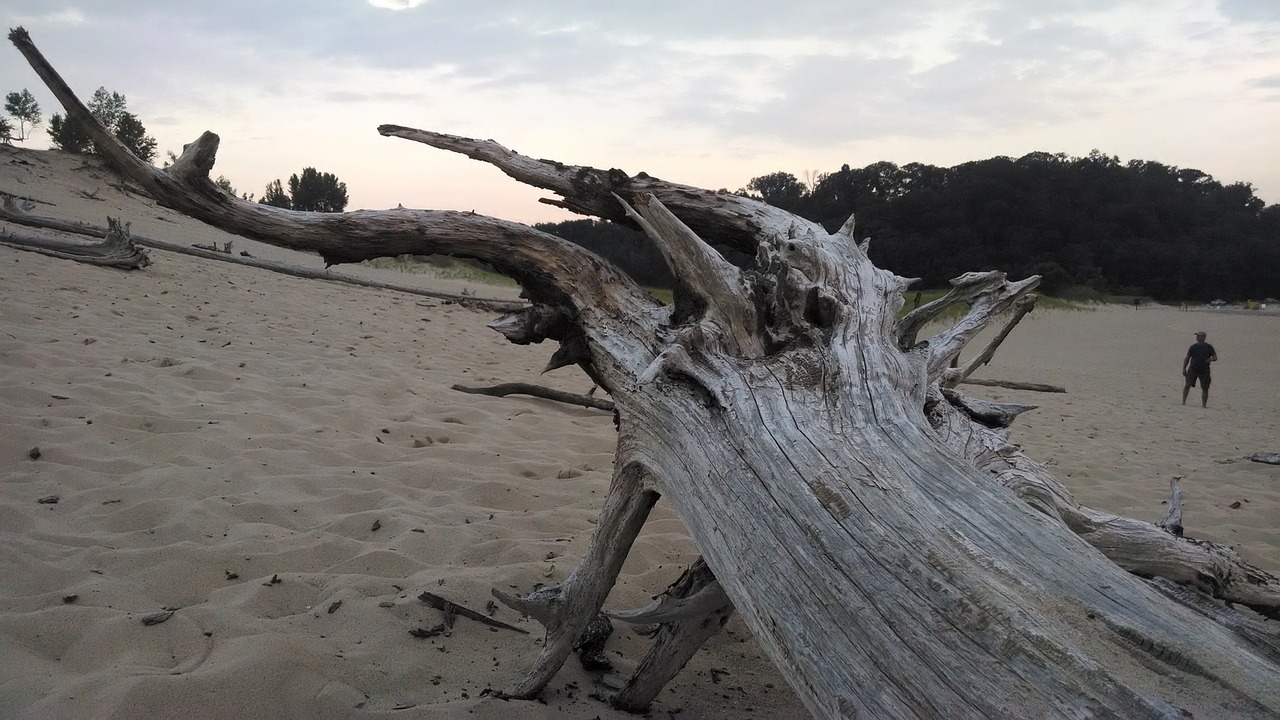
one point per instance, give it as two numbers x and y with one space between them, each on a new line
1195 367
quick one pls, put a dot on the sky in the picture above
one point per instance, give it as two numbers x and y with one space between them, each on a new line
701 92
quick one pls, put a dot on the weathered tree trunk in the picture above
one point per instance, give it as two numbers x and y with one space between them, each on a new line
856 515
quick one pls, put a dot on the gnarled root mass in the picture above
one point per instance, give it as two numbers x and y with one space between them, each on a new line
890 550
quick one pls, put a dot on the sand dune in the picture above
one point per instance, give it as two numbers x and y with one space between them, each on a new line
282 462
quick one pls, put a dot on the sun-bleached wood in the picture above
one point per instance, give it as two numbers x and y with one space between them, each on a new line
692 610
895 556
13 210
117 247
565 610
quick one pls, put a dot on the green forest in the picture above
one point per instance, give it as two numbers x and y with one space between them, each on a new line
1090 226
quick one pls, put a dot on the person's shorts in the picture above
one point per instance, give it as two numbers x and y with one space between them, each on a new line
1203 377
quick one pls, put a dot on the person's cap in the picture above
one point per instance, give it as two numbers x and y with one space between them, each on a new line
1200 333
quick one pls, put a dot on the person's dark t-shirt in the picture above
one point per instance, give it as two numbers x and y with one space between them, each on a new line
1200 354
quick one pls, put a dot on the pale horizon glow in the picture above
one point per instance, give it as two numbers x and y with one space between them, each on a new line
689 92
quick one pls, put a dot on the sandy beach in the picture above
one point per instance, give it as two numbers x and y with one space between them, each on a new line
283 463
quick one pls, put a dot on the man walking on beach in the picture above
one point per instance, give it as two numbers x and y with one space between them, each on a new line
1195 366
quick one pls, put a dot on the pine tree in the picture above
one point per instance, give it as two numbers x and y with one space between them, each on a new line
275 196
109 109
312 191
24 108
317 192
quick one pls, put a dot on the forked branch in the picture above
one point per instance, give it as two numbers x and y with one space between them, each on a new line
715 282
719 218
989 295
1022 306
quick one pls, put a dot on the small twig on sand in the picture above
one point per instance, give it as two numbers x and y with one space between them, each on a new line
546 393
450 608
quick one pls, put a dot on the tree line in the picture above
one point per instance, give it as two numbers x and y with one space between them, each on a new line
1088 225
1135 228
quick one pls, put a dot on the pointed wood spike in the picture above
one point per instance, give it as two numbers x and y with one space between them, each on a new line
708 276
989 413
1172 520
541 605
716 279
847 228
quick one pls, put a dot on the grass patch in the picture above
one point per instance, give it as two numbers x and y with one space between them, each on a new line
441 266
666 296
1045 302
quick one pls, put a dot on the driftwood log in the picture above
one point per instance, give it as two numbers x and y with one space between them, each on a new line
1266 457
893 553
17 210
117 248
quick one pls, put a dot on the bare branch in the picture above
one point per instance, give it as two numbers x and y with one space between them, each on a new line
566 609
676 641
546 393
990 296
1015 385
1023 306
108 144
986 412
667 608
719 218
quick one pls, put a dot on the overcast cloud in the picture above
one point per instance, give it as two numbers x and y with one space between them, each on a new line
694 91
